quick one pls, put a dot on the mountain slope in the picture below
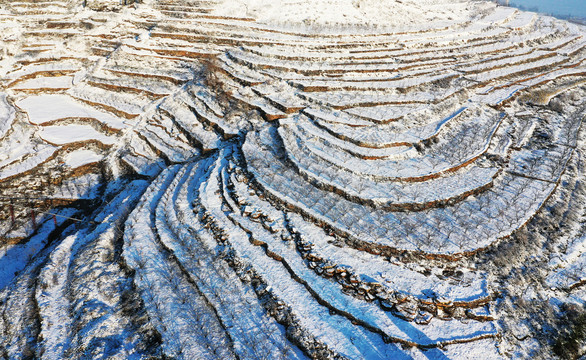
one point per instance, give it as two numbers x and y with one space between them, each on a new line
225 179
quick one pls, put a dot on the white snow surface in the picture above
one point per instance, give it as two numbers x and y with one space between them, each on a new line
59 82
386 13
315 176
82 157
45 108
28 161
14 258
66 134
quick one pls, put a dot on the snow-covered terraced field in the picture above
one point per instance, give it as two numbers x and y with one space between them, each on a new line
231 179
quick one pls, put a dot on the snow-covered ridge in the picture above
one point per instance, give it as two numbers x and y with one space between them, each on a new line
277 179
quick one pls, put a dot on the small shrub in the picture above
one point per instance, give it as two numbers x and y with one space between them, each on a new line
571 343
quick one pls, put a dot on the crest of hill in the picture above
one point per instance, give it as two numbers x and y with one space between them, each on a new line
391 14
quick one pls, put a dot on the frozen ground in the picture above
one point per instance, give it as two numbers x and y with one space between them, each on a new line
256 179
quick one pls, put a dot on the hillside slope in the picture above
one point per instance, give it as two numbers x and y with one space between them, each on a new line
207 179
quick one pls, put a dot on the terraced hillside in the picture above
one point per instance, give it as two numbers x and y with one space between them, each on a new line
207 179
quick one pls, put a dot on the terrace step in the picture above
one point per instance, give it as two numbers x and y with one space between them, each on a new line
124 105
443 232
393 194
187 120
323 289
264 337
172 316
335 260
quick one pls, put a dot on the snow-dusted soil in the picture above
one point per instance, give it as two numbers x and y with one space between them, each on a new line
331 179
